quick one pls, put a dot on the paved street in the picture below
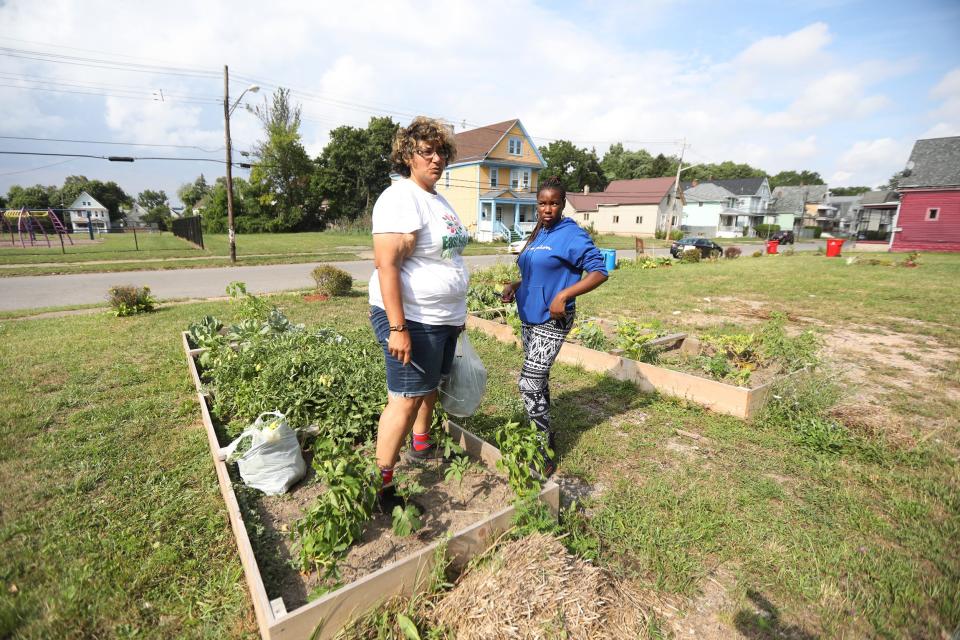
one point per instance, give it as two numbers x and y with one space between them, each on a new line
33 292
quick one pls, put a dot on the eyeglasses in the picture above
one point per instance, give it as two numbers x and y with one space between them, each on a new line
427 154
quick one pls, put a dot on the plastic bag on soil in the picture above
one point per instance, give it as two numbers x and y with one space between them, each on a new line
462 391
273 463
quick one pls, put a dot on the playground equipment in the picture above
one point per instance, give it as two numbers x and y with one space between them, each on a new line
28 223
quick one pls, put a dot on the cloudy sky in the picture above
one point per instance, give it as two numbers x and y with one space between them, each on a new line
840 87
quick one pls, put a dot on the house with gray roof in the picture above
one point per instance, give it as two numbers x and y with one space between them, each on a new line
873 217
799 206
704 204
928 218
745 206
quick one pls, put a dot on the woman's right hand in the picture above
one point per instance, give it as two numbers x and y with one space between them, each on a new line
400 346
509 292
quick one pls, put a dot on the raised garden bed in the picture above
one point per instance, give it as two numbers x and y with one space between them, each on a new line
721 397
402 565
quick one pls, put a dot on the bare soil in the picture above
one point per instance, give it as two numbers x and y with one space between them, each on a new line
444 506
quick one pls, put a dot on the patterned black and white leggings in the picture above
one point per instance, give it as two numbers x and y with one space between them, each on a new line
541 344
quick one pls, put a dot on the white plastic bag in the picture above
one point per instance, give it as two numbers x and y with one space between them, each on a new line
462 391
274 462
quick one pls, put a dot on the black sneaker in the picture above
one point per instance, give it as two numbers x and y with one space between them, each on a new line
423 456
388 498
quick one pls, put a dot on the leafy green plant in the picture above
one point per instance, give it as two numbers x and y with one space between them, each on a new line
249 306
520 453
757 254
676 234
335 521
128 300
406 519
690 257
457 470
591 335
332 281
732 252
633 336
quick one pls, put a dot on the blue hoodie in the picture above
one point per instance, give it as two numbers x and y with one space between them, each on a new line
553 261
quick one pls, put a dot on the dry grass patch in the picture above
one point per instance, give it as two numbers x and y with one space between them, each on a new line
532 588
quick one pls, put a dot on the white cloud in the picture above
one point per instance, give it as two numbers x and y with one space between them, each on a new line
796 49
872 162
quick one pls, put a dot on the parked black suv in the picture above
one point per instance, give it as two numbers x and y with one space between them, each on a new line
783 237
705 246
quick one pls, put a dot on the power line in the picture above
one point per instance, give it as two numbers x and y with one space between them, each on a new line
46 166
113 158
126 144
108 95
99 85
116 65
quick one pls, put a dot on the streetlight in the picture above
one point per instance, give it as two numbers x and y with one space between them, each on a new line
227 112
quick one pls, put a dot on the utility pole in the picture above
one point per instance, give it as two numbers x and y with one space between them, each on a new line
231 236
676 191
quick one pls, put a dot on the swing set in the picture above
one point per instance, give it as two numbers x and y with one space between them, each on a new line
29 224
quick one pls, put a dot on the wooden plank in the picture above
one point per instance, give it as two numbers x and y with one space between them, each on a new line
666 342
714 395
502 332
325 616
251 571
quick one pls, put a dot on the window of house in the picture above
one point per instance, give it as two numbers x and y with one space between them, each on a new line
933 214
700 204
515 146
446 179
639 219
616 219
586 217
494 177
520 179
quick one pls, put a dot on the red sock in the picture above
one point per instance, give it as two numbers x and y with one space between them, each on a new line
421 441
386 474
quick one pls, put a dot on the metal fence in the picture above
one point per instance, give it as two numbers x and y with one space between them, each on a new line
189 229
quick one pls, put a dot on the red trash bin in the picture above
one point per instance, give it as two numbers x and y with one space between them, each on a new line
772 246
833 247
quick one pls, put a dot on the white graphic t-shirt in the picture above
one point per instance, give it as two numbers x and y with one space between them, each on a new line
433 280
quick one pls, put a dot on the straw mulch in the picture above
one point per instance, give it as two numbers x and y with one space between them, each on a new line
532 588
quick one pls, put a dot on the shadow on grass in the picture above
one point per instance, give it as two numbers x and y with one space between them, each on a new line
765 623
572 412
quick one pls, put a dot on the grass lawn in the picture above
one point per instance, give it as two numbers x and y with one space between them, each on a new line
118 252
111 522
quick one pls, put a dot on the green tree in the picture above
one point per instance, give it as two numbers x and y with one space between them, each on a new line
573 166
848 191
621 164
663 166
36 197
892 184
354 168
247 215
725 170
149 199
193 192
282 174
795 179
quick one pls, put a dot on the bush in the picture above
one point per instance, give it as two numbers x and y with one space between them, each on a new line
758 254
128 300
816 231
732 252
676 234
660 234
332 281
689 257
765 230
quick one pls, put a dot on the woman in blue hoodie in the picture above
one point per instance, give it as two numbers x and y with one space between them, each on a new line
552 266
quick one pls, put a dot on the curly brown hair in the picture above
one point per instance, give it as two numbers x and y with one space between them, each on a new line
422 129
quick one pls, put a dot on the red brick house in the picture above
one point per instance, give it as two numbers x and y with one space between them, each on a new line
929 215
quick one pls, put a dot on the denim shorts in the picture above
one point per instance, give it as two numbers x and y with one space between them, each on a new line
432 349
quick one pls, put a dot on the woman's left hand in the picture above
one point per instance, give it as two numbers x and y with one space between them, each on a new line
558 308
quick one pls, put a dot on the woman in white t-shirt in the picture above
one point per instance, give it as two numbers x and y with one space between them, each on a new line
417 293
